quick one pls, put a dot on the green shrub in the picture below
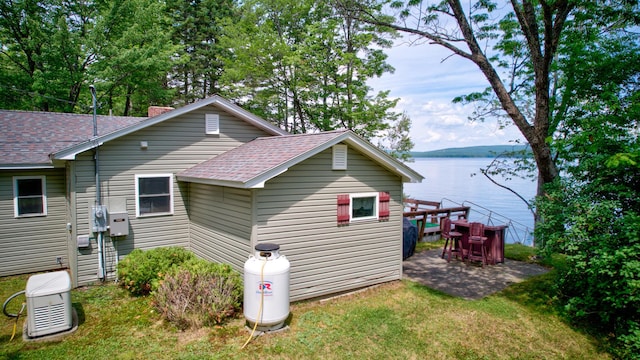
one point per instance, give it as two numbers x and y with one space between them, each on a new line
141 271
598 284
199 293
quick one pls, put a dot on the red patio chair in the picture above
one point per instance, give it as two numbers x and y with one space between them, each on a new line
477 244
452 240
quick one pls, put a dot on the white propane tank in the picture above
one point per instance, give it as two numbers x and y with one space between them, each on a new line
266 282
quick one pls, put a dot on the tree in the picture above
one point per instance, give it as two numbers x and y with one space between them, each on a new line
524 39
306 64
397 141
133 54
42 53
50 51
592 213
196 26
592 217
262 69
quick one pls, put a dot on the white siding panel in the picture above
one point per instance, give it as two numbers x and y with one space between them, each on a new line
172 146
298 209
32 244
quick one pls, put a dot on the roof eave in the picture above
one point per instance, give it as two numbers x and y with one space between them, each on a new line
253 183
208 181
386 161
26 166
70 152
406 173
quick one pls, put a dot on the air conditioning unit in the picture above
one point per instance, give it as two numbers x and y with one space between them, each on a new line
48 303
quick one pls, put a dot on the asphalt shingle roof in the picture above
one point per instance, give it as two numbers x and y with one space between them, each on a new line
259 156
28 137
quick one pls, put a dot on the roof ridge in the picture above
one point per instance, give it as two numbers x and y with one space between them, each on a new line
55 113
323 133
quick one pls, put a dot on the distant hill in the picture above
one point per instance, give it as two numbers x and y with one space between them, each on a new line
472 151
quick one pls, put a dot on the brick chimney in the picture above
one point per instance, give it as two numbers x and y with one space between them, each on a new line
157 110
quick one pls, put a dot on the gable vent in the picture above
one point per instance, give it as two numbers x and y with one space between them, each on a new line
212 124
339 157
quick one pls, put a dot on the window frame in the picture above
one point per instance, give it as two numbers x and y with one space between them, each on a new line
137 194
16 197
376 207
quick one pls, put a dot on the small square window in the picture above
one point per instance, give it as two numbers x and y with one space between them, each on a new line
364 206
154 194
29 196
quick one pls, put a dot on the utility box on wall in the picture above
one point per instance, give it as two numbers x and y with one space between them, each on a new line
98 218
118 224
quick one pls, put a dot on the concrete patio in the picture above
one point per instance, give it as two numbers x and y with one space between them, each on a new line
468 281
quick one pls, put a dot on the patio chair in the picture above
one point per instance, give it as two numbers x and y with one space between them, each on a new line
477 244
452 242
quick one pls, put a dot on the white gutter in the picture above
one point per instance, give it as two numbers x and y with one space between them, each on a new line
26 167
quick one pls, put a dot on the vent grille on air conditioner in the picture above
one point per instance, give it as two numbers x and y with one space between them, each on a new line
49 316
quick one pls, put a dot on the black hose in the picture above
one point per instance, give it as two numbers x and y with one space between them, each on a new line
4 306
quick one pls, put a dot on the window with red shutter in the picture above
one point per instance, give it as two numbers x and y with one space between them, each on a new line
363 206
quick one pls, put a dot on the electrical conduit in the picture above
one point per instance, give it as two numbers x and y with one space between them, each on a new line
101 272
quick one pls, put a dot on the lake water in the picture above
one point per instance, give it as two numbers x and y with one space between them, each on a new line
449 181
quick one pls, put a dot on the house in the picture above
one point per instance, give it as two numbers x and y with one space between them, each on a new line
210 177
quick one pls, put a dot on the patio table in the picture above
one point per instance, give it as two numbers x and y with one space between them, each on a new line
494 233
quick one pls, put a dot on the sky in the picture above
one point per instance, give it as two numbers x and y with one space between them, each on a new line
426 80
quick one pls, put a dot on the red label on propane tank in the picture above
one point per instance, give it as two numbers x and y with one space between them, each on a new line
266 287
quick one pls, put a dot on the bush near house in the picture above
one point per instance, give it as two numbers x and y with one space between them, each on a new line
186 290
199 293
140 272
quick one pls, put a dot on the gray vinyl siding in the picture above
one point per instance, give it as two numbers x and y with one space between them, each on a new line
221 221
172 146
32 244
298 209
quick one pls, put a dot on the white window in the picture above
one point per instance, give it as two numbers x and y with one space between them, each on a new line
29 196
154 194
212 124
364 206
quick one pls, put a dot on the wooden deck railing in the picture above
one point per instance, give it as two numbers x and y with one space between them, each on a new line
429 213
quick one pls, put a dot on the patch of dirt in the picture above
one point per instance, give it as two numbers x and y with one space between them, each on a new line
190 335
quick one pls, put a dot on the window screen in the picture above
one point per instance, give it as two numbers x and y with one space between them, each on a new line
363 207
155 195
30 196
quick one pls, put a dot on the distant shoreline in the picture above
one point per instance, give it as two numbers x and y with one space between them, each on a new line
489 151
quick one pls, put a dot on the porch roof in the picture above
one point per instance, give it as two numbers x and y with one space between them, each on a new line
252 164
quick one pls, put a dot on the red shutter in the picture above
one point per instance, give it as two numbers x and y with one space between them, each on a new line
383 205
343 209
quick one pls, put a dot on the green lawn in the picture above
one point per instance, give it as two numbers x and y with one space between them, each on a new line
401 320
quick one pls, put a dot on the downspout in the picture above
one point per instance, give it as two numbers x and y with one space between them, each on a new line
101 272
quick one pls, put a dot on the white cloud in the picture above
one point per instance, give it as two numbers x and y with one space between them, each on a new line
426 86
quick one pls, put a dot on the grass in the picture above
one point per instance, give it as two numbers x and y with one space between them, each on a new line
398 320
